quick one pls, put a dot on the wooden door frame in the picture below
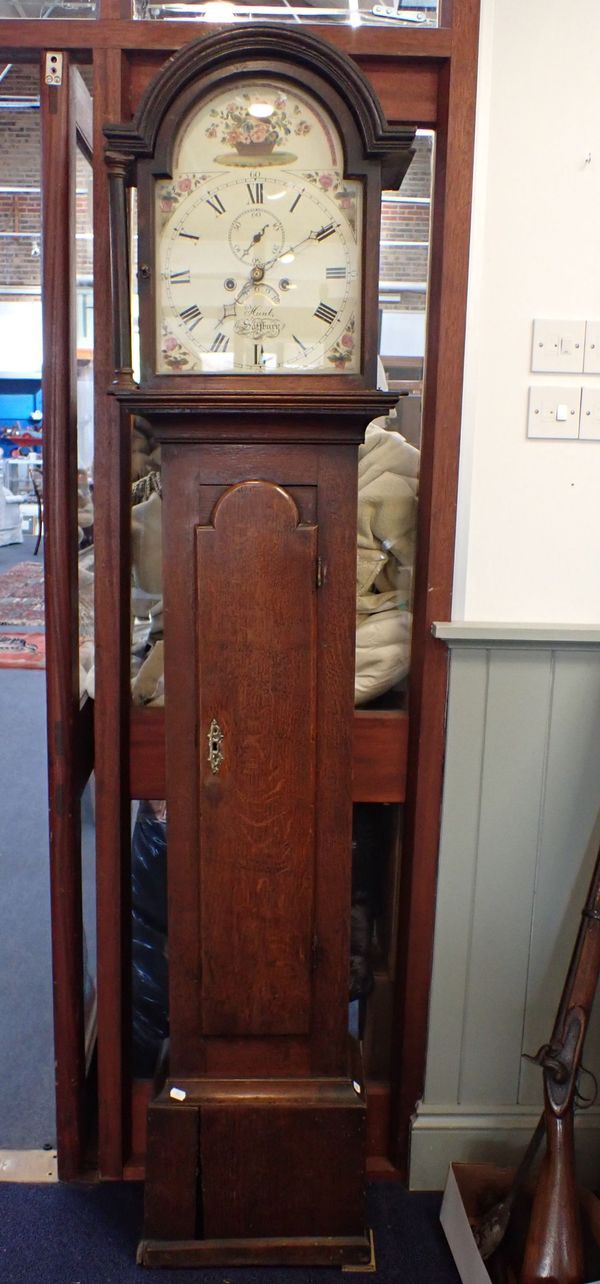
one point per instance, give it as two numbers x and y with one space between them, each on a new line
423 77
438 485
65 121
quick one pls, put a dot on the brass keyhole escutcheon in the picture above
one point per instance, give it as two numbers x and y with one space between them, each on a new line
215 740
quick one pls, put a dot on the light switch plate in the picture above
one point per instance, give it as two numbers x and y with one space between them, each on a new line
591 357
554 412
589 420
558 346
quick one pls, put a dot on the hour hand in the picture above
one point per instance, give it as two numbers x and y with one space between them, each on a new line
258 236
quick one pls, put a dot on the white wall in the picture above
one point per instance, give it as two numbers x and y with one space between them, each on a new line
528 522
21 339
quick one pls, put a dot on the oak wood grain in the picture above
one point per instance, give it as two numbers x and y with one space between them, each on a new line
257 822
171 1187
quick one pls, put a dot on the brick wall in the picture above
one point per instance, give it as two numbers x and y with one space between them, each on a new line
408 222
20 212
84 216
20 167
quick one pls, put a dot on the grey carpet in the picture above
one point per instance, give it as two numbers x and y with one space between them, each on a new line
26 1016
12 554
26 1048
27 1118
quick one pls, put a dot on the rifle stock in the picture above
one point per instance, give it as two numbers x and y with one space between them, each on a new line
554 1249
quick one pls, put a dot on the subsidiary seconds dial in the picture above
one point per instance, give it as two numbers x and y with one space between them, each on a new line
260 274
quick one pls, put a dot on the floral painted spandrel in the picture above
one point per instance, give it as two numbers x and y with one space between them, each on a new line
343 352
237 125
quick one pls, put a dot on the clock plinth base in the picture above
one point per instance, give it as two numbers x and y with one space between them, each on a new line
256 1172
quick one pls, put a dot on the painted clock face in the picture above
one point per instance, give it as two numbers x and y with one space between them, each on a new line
259 240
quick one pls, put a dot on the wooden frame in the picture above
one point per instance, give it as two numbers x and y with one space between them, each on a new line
66 119
425 78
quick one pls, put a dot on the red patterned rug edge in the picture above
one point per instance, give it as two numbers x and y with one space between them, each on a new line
22 651
22 596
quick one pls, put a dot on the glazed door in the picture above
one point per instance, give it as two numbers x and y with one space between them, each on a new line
66 153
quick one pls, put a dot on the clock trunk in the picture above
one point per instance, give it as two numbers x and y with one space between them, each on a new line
263 1104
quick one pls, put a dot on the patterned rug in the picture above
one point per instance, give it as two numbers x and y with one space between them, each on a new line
22 651
22 595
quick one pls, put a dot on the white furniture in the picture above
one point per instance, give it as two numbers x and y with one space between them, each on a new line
10 517
16 473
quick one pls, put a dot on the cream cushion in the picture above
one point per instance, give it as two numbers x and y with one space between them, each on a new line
388 470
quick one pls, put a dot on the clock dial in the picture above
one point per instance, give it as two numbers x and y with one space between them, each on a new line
259 240
260 274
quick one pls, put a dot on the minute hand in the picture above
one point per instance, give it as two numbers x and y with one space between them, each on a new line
320 235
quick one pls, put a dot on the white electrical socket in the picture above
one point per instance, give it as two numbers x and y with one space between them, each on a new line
591 358
554 412
558 346
589 419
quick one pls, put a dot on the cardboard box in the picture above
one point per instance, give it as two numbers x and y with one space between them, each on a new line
472 1186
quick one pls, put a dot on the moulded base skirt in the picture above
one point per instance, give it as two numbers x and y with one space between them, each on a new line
350 1251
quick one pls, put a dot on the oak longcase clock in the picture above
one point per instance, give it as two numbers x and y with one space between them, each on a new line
258 155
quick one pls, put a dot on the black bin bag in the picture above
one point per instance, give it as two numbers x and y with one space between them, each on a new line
149 945
368 846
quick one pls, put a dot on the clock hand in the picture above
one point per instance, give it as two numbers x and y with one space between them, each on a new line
230 308
320 235
228 311
255 239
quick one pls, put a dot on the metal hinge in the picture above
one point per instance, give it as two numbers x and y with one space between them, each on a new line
399 15
321 572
